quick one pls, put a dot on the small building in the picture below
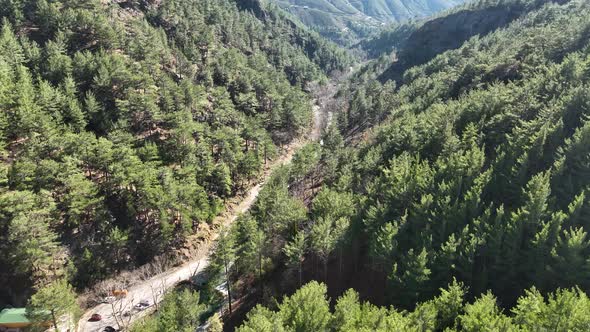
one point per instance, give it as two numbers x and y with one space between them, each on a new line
14 320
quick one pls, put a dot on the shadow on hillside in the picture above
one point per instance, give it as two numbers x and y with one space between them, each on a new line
451 31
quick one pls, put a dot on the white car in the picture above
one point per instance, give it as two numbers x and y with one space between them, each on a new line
142 305
109 299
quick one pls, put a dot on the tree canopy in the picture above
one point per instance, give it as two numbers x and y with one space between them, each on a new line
125 125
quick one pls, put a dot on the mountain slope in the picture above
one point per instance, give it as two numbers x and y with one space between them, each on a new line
476 175
479 168
432 37
125 125
346 20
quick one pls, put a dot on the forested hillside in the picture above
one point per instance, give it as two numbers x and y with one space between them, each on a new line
473 180
448 192
479 170
309 310
124 125
345 21
416 43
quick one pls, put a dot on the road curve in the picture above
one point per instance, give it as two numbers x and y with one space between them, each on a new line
161 283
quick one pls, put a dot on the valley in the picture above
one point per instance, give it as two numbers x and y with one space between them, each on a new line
293 165
348 21
154 288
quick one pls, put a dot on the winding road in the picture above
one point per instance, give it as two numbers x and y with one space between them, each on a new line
154 287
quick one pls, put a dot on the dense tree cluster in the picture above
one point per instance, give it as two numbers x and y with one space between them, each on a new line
280 234
126 124
480 171
252 246
309 310
477 171
417 42
180 310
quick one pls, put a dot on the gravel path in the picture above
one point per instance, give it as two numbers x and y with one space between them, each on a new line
161 283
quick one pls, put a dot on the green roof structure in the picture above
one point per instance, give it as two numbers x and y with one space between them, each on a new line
14 316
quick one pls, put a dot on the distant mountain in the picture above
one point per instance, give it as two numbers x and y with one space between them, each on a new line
417 44
346 20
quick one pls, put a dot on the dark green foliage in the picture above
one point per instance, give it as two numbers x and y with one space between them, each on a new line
124 126
223 259
307 310
180 310
417 43
475 174
478 168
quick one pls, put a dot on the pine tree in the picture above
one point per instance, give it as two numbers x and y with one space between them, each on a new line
80 200
409 277
383 247
223 258
253 249
261 319
449 305
323 241
484 315
10 48
307 309
117 240
30 244
221 181
521 229
348 312
295 252
571 260
215 324
52 302
58 65
73 114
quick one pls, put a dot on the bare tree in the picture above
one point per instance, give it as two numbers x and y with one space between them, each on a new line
119 307
158 294
196 271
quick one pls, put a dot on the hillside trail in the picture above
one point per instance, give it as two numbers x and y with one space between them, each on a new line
157 285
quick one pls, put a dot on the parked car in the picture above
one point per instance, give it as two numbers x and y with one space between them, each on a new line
139 307
109 329
109 299
145 303
95 318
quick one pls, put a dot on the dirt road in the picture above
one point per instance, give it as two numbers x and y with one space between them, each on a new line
152 289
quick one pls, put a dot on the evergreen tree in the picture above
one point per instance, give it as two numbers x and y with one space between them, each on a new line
223 259
484 315
295 252
215 324
254 248
52 302
409 277
571 264
323 241
307 309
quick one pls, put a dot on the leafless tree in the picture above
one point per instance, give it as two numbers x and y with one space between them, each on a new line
118 307
196 271
158 293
